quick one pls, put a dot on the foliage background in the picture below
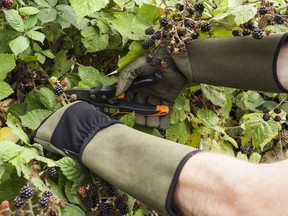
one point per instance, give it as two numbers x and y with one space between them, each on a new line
82 42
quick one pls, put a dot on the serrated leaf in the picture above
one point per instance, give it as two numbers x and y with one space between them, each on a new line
8 150
217 95
208 117
63 23
135 50
128 119
72 170
93 40
14 19
41 58
83 8
68 210
34 118
52 2
19 45
91 77
30 22
179 109
149 13
6 134
33 176
47 98
67 13
179 132
5 90
258 130
43 3
124 22
6 170
29 10
36 35
61 64
7 65
243 13
47 15
48 53
5 37
15 125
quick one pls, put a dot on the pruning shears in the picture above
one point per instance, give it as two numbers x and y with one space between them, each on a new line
103 98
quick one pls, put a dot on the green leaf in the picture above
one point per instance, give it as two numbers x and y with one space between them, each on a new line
61 64
15 125
7 64
217 95
63 23
47 98
5 37
124 22
14 19
32 101
19 45
180 107
47 15
43 3
258 130
35 35
208 118
67 13
249 100
29 10
72 170
6 171
139 212
91 77
83 8
30 22
8 150
242 156
128 119
93 40
68 210
34 118
56 190
48 53
70 194
179 132
255 157
41 58
277 28
149 13
135 50
33 176
5 90
52 2
243 13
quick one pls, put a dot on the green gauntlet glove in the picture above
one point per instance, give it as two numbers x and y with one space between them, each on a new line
238 62
145 166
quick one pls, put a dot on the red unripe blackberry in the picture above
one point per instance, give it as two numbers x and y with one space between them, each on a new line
81 190
277 118
18 202
149 31
4 204
7 3
64 83
164 21
26 192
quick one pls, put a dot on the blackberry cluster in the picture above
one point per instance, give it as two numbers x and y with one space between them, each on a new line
105 208
149 31
26 192
58 90
47 193
148 43
121 205
257 34
90 202
89 195
199 7
110 189
43 202
18 202
156 36
263 10
6 3
52 172
92 189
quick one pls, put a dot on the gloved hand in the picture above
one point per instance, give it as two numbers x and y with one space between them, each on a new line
238 62
117 153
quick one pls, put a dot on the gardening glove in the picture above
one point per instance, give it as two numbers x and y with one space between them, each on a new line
144 166
238 62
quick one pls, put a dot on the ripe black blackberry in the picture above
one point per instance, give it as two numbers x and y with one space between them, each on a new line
149 31
52 172
26 192
58 90
246 32
279 20
205 27
286 117
249 25
148 43
105 208
277 110
122 206
199 7
47 193
263 10
156 36
7 3
266 117
195 35
235 33
257 34
89 202
92 189
277 118
18 202
43 202
164 21
111 190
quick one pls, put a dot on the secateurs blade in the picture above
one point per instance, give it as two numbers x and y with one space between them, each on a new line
104 99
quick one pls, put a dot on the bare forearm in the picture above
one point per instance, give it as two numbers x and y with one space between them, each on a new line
214 184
